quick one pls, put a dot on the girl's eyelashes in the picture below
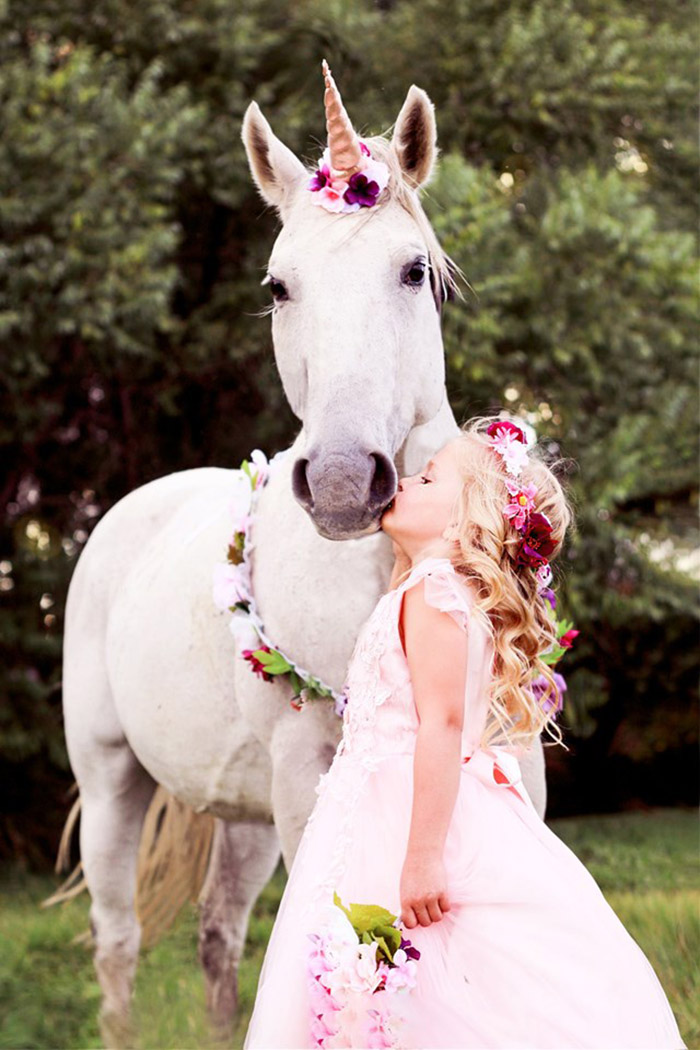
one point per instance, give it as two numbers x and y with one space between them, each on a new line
423 478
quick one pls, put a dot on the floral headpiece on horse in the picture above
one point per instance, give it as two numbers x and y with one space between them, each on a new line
348 178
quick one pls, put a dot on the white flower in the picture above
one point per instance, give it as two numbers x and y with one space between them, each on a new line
376 171
336 925
231 584
244 633
259 460
366 977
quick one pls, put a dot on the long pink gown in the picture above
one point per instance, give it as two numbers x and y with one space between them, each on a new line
530 954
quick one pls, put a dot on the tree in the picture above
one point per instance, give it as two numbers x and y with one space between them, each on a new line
132 244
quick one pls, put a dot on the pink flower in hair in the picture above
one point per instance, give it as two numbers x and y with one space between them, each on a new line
508 443
521 503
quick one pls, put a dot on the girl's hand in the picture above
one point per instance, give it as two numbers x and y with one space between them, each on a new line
423 890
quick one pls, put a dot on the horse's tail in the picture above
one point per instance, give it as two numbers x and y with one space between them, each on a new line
172 863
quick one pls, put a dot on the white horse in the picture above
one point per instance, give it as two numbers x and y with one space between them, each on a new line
154 691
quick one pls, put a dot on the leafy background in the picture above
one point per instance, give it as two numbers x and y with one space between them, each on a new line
132 245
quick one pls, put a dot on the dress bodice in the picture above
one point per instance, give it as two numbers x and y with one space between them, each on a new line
381 717
381 720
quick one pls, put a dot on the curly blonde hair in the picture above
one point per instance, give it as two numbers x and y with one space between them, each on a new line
485 547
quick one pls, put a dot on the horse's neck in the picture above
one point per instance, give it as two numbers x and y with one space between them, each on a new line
425 440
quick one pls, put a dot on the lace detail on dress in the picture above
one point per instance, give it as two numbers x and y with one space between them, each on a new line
356 756
360 752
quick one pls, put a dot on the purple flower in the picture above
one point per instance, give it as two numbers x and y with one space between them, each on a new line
411 952
321 176
362 190
539 687
341 703
548 594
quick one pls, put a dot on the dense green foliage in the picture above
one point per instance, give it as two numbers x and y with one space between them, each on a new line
645 864
132 244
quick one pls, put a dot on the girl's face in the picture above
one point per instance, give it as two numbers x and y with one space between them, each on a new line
424 504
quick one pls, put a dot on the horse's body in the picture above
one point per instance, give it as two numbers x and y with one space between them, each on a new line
154 691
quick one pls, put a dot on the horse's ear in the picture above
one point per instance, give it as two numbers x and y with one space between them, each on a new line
415 137
277 172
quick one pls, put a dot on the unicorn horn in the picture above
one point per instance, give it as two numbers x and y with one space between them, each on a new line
346 156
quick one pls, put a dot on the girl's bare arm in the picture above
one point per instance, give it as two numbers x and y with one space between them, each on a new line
436 652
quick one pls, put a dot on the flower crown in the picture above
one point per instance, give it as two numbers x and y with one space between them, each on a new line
348 178
510 443
349 193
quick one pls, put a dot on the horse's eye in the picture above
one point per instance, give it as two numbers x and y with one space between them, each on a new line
414 275
278 290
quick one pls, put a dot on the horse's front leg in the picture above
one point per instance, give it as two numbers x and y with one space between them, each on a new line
244 855
302 747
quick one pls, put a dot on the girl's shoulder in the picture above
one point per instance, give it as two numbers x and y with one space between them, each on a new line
446 589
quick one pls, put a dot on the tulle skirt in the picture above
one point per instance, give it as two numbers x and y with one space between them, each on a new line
529 955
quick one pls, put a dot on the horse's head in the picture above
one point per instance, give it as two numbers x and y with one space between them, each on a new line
356 317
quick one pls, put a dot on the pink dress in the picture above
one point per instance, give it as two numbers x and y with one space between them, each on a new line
530 954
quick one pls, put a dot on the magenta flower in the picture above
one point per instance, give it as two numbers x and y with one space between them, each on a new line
567 639
537 543
257 666
321 177
362 190
504 426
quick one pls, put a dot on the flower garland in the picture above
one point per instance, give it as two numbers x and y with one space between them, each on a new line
343 195
510 442
232 591
357 954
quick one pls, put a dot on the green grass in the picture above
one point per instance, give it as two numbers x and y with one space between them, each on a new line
647 864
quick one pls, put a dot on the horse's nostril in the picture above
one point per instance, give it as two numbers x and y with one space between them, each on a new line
300 483
384 479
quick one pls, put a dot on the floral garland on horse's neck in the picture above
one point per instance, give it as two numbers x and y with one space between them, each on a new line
233 592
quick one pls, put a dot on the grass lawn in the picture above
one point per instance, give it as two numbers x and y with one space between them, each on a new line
647 864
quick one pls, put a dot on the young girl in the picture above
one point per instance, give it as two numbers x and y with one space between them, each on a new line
505 938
